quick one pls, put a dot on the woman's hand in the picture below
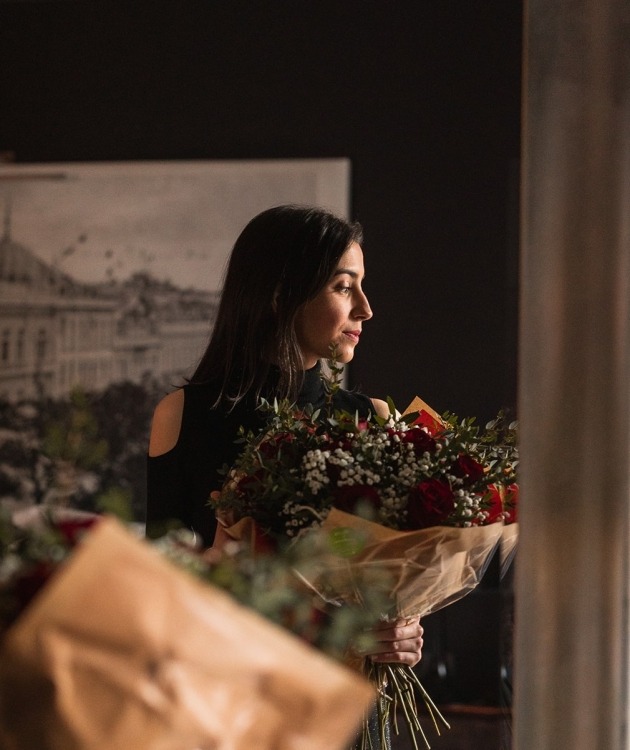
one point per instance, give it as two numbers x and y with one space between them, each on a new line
398 642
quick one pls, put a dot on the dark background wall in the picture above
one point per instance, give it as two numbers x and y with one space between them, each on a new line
423 97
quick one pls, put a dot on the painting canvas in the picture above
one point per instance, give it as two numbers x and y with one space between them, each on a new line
110 275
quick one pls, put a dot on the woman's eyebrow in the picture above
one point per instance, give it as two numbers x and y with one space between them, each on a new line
340 271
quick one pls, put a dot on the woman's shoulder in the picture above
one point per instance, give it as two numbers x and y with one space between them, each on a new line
353 401
380 407
166 423
186 414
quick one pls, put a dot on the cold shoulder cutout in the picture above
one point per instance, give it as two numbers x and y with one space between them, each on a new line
167 423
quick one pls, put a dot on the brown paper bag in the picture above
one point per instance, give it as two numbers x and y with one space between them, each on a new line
124 651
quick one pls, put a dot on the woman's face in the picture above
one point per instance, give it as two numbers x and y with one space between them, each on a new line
336 315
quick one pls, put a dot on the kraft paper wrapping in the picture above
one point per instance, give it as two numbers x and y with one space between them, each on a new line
418 405
427 569
123 650
509 543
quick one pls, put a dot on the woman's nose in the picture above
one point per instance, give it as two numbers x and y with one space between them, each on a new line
363 311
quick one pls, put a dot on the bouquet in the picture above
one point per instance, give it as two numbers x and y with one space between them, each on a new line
107 641
420 496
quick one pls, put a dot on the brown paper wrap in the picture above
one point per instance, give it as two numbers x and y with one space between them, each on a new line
509 543
428 569
123 650
418 405
246 531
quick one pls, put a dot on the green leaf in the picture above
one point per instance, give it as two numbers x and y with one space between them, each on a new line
345 542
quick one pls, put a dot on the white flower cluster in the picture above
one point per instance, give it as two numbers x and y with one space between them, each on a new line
314 465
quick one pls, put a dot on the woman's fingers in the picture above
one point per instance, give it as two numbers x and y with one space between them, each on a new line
398 629
398 642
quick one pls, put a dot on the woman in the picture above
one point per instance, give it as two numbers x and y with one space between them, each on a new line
293 289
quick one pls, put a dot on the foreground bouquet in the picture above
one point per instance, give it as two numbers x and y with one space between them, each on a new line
427 496
107 641
34 551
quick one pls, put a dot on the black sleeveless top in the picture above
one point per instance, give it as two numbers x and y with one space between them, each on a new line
179 482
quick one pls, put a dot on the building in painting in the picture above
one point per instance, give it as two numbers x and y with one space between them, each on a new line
56 333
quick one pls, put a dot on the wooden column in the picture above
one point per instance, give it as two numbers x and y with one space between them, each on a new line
571 643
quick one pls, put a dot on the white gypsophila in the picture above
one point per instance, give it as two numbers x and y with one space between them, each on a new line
339 457
391 499
406 475
315 476
372 478
296 521
315 481
315 459
392 509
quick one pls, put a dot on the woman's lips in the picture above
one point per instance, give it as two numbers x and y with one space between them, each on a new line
352 335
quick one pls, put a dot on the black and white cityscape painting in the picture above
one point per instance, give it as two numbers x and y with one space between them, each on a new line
110 275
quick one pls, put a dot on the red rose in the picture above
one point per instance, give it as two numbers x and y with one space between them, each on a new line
347 497
467 468
72 529
421 439
270 446
430 504
345 443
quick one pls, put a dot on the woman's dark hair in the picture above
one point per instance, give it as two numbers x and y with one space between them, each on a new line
283 258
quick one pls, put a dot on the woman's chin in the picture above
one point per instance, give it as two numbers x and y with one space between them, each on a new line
344 355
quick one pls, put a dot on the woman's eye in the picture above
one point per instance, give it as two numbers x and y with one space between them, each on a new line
344 289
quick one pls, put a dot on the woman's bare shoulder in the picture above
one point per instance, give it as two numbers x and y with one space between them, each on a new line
380 407
167 422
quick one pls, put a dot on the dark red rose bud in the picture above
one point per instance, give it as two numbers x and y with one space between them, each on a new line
72 529
430 504
421 439
467 468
